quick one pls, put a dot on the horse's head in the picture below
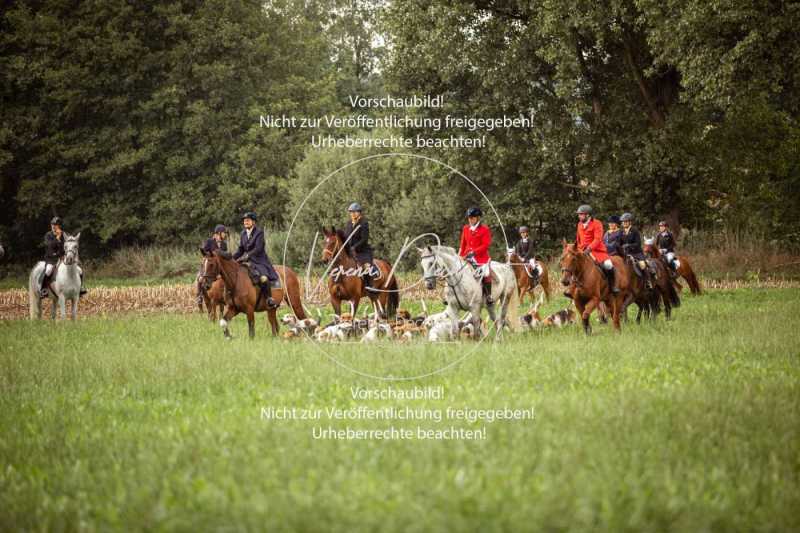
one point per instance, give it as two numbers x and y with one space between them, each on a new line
71 248
333 243
511 256
570 262
650 249
431 268
209 269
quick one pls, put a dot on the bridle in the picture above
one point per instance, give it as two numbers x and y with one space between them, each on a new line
208 279
442 272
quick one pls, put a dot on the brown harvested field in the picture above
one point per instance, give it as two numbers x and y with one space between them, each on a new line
180 298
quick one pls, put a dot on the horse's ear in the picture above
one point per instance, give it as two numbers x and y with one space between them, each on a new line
333 229
563 242
77 236
430 250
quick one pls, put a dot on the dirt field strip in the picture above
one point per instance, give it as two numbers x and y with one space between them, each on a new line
181 298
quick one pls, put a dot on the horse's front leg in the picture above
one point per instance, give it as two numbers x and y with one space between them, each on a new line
272 316
74 309
54 307
587 313
251 323
336 303
616 307
230 312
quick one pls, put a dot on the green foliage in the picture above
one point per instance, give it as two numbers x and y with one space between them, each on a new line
141 122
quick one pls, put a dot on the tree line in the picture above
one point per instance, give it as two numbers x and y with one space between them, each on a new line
139 122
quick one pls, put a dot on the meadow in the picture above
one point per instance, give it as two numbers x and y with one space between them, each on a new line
156 423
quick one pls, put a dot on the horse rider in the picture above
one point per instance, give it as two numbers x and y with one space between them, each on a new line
252 252
525 251
631 242
356 233
53 252
217 241
589 239
475 241
613 236
665 242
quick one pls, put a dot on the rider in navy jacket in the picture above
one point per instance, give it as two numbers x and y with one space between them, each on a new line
251 249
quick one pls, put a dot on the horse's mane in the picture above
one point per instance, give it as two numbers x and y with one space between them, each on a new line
342 237
441 249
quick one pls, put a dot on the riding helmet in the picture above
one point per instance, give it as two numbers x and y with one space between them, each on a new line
474 212
252 216
524 228
354 207
219 228
626 217
587 209
614 219
663 223
56 221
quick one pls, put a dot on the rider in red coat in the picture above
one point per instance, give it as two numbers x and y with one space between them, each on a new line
475 241
589 239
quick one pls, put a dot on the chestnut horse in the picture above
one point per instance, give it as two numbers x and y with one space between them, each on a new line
212 289
243 295
345 283
524 280
588 286
685 270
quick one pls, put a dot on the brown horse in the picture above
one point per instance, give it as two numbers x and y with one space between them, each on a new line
649 300
212 289
588 286
685 270
345 283
524 280
244 296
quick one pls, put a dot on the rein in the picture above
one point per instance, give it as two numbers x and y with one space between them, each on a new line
446 277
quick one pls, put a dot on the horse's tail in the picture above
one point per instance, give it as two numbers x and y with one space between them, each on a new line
394 298
512 310
674 297
34 303
689 276
546 282
292 293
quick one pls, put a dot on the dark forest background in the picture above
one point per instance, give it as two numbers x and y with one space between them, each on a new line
138 122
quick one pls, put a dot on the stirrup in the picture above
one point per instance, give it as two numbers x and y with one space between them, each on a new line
271 303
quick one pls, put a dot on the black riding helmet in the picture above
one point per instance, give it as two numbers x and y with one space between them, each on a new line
252 216
474 212
56 221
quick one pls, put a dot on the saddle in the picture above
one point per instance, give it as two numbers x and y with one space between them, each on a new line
481 271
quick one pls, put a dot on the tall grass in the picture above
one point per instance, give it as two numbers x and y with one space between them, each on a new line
154 424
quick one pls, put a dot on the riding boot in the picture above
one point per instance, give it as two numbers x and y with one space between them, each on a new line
367 280
83 289
611 278
673 269
42 284
267 287
648 280
487 293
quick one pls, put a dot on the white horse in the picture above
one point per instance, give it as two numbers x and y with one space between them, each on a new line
65 282
463 290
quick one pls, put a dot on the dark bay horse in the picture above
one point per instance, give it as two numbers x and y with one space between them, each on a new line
344 279
685 270
244 297
588 285
649 300
524 280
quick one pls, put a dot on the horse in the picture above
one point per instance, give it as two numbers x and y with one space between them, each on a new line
244 296
464 292
524 280
684 270
649 299
588 286
212 289
346 284
65 282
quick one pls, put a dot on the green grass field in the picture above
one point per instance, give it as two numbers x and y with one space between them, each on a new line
155 423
